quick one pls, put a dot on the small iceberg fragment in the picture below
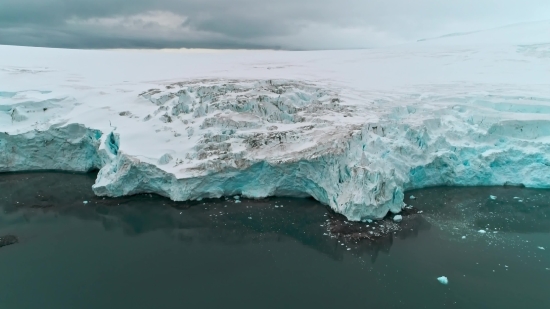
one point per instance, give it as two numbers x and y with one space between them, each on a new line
85 202
236 197
463 237
443 280
482 231
492 197
412 197
397 218
541 248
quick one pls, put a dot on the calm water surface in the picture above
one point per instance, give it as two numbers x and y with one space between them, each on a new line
148 252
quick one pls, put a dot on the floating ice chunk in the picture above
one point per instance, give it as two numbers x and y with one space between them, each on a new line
85 202
463 237
236 197
237 201
276 206
369 220
397 218
482 231
249 217
541 248
516 198
412 197
349 249
443 280
492 197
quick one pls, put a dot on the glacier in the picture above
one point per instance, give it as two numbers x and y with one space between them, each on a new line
352 129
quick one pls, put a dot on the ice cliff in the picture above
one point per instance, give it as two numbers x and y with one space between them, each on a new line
286 138
276 124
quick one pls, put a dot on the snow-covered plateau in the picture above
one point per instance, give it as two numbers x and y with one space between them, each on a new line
353 129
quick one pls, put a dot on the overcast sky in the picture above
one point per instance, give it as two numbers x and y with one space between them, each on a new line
280 24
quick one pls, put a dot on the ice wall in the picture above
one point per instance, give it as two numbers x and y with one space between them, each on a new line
69 148
362 176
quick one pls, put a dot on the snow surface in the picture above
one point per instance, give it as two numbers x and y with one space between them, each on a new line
353 128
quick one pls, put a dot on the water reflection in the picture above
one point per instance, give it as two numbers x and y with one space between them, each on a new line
39 196
219 253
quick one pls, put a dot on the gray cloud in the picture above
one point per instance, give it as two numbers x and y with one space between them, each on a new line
286 24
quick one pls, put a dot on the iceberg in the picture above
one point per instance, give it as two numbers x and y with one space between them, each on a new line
352 129
443 280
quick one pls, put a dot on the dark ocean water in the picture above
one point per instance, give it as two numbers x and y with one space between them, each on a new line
146 251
